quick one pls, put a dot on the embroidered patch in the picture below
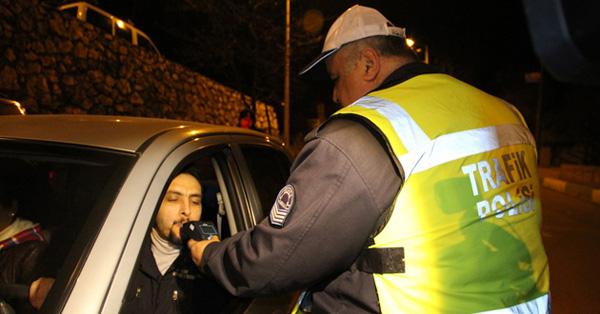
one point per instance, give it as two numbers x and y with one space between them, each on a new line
283 204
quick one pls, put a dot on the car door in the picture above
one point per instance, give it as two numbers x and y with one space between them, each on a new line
230 199
63 194
263 170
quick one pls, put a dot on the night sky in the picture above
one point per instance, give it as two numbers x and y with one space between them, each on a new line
481 42
485 43
475 36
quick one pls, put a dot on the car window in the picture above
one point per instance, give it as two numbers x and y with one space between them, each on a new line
62 195
269 170
181 284
224 203
144 43
70 11
215 202
123 31
100 21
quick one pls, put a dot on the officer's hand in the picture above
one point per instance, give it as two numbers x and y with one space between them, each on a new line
197 248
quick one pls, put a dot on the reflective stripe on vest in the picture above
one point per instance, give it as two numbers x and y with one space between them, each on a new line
468 213
446 147
539 305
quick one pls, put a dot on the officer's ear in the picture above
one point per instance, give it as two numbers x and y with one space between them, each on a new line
371 63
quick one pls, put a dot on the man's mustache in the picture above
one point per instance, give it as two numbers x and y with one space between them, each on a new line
180 222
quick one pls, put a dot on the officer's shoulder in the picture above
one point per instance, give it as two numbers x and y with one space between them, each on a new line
346 130
356 135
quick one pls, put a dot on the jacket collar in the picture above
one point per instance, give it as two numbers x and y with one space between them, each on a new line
147 263
405 73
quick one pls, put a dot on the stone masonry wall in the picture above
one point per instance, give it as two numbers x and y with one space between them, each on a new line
57 64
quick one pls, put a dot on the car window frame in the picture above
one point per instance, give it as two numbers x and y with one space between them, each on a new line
229 186
173 162
131 203
270 303
125 268
252 197
80 250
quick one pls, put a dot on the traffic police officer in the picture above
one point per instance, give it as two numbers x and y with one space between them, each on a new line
420 195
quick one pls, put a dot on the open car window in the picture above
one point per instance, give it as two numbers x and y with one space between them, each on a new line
234 187
65 191
268 170
182 285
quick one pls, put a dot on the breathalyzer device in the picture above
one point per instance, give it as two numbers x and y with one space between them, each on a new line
198 230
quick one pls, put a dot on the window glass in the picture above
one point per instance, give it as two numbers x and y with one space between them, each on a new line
213 201
99 20
145 43
269 169
124 32
71 11
57 198
195 293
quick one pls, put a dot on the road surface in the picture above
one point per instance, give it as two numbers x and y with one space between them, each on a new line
571 234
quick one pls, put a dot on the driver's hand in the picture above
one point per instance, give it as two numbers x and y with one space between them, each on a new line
39 290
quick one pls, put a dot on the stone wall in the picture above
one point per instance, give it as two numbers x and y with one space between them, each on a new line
54 63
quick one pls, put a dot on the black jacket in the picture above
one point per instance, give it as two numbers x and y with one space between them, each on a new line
181 290
18 263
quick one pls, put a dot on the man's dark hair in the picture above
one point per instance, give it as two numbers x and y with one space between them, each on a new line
193 171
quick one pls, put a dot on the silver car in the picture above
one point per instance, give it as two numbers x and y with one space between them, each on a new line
94 184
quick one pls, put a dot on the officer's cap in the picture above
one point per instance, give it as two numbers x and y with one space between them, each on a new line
356 23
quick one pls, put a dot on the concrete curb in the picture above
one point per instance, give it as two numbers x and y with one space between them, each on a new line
577 190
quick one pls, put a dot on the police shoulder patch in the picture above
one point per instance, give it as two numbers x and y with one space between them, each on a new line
283 204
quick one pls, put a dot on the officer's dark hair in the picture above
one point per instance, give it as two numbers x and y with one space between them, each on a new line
391 46
387 46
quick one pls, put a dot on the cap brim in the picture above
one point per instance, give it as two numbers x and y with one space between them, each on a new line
317 69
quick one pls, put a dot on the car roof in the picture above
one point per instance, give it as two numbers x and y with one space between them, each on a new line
9 106
123 133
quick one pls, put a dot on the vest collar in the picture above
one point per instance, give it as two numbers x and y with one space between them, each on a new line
405 73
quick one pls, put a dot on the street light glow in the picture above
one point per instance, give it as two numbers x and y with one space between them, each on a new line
410 42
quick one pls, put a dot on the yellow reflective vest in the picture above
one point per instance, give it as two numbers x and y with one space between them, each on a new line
468 214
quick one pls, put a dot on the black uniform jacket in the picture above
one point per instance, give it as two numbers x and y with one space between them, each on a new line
181 290
344 182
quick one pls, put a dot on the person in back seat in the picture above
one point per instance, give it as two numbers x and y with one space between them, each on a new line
22 242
